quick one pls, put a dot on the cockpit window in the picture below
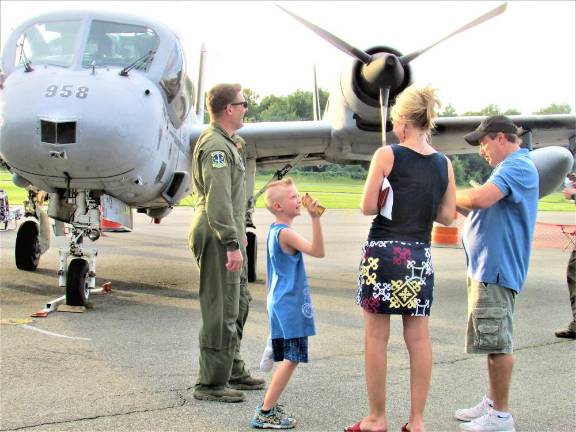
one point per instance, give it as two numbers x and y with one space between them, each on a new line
117 44
49 43
173 76
177 87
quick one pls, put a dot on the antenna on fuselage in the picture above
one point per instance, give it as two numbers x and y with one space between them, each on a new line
200 94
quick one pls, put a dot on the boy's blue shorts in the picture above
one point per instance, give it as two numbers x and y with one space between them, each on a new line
295 350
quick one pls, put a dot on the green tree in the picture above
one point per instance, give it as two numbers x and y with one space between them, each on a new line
253 114
490 110
276 108
300 103
475 168
449 111
293 107
555 109
458 167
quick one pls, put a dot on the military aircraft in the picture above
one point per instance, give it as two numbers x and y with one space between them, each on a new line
99 115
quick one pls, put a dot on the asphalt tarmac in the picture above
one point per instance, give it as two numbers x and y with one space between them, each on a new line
130 362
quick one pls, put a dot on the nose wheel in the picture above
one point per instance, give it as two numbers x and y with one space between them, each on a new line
78 282
80 275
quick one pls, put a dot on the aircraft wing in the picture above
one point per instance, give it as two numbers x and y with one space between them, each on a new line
279 142
276 143
542 130
316 142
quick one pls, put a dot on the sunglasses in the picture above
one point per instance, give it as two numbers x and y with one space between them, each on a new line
244 104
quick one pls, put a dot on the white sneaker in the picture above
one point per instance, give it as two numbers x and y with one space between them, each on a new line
267 360
469 414
490 422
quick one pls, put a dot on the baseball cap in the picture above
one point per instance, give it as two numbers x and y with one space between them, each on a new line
497 123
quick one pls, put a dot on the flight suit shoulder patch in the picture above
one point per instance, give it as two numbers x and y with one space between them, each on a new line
218 159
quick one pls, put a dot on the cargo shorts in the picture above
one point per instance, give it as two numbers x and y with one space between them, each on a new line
490 318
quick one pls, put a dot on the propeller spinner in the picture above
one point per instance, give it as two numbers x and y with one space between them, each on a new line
386 73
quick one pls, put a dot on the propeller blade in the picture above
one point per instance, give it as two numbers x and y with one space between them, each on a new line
384 94
495 12
316 99
337 42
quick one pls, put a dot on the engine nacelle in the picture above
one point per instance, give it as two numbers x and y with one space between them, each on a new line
359 89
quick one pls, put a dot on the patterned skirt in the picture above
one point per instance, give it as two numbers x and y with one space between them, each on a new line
395 278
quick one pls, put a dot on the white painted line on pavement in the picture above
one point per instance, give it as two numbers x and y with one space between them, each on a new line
26 326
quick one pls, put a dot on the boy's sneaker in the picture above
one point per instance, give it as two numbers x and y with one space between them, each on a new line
490 422
280 409
267 360
469 414
275 419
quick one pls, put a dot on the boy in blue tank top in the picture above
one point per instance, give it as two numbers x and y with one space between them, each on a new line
289 304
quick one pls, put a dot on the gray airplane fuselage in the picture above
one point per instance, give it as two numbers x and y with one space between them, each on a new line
69 119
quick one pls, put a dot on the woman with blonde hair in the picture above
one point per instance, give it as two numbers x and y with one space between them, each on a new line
396 275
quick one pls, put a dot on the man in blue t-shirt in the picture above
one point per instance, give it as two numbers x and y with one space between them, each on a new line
497 240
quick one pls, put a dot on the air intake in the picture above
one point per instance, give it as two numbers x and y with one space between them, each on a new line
57 133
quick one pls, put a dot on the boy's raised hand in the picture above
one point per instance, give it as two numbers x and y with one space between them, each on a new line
313 206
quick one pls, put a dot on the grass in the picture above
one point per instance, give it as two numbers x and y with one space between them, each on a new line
555 202
332 193
336 193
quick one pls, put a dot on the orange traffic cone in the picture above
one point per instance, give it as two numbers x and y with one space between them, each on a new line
447 236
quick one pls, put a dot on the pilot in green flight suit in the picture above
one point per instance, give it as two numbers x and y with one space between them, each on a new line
217 239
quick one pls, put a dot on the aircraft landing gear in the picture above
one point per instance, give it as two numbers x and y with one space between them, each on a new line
33 236
27 249
79 277
77 283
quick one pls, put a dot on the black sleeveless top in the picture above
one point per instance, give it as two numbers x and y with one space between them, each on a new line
419 183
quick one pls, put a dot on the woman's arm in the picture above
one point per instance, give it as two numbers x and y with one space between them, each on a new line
447 208
380 166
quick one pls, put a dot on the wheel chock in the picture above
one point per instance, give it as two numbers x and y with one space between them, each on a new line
105 288
40 314
73 309
49 307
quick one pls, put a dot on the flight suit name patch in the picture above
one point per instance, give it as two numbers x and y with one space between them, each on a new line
218 159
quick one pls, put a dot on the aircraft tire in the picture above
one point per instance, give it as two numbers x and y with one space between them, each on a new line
77 289
27 250
252 253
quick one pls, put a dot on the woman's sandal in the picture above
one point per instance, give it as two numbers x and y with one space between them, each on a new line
356 428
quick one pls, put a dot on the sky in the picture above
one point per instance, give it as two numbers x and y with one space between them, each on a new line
522 59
